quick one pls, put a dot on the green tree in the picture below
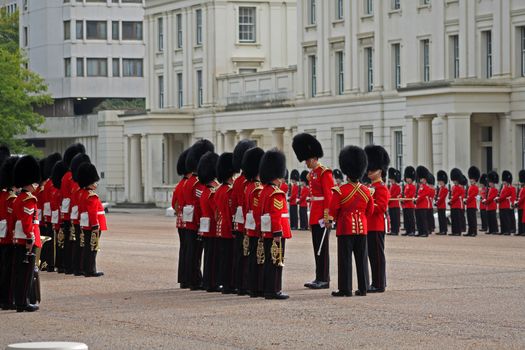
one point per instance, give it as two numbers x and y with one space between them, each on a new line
9 31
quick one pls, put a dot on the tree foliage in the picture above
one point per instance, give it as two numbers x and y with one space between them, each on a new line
9 31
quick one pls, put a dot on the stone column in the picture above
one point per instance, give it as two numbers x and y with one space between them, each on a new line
154 165
245 134
220 142
424 141
278 141
229 140
411 140
127 139
459 141
135 170
506 151
444 142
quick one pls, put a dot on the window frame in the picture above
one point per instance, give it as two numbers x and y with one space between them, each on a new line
425 52
136 64
398 148
369 59
178 19
396 54
67 31
180 90
80 63
200 89
79 24
97 38
312 12
99 60
117 31
340 64
160 86
455 56
67 67
135 26
488 54
249 28
198 27
160 34
312 70
368 7
339 10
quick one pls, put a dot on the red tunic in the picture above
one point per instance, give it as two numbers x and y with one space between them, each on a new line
207 203
6 217
75 200
192 192
177 201
491 196
284 187
40 196
409 191
294 194
25 217
514 194
253 192
49 190
273 203
55 201
66 188
224 211
92 206
376 221
238 189
441 202
395 192
483 193
424 197
305 193
321 182
351 204
458 194
505 197
472 194
521 200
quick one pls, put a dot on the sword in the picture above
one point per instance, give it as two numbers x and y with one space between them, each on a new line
322 241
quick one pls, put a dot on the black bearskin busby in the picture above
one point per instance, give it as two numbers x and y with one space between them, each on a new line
6 173
431 180
71 152
294 175
304 176
207 168
76 163
87 175
272 166
493 177
41 166
306 146
286 175
26 171
391 174
474 173
378 158
455 175
353 162
50 163
338 174
464 181
4 154
484 180
506 176
181 163
238 153
422 173
195 153
410 173
442 176
57 173
250 163
521 176
225 167
398 176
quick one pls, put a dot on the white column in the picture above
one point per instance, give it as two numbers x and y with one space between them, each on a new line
506 135
378 59
354 21
245 134
444 142
126 167
277 134
424 141
411 140
135 170
153 175
229 141
220 143
459 141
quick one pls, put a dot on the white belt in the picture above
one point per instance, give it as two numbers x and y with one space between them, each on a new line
101 213
36 222
285 215
317 198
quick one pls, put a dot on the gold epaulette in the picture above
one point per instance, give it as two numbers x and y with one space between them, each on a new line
324 168
29 197
276 191
41 189
337 189
92 194
11 195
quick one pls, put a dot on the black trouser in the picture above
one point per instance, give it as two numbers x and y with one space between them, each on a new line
69 242
512 221
181 277
44 232
23 270
504 220
409 220
346 245
91 247
193 258
463 221
395 218
303 218
322 261
226 264
273 274
483 215
455 218
34 291
521 224
240 263
472 221
293 216
256 270
442 219
49 249
421 222
376 255
211 265
430 220
78 251
6 269
492 221
60 242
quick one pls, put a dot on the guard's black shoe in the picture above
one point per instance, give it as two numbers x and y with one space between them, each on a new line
61 270
423 235
404 234
310 284
79 273
242 292
256 294
506 233
277 296
27 308
341 293
321 285
373 289
411 234
228 291
96 274
50 269
196 288
360 293
184 286
394 234
69 272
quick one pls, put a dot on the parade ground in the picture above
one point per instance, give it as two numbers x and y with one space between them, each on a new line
443 293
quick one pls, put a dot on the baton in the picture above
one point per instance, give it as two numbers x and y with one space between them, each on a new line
322 241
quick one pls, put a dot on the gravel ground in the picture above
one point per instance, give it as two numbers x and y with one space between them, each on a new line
443 292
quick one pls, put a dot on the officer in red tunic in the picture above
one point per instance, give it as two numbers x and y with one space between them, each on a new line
472 201
423 201
275 223
26 174
394 211
409 194
456 202
492 205
441 202
505 202
177 203
351 205
304 199
378 161
294 198
520 204
483 184
309 150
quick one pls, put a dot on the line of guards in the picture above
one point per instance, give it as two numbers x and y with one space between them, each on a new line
50 219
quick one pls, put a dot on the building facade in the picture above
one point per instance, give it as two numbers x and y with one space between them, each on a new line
10 6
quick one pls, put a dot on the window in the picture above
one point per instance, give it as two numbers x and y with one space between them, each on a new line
313 76
396 54
96 30
160 31
311 12
179 91
97 67
115 67
198 29
25 5
131 30
67 67
132 67
339 9
132 1
425 2
340 61
26 37
161 91
67 30
425 46
247 24
522 41
369 7
179 31
80 66
368 136
247 70
199 88
369 69
396 4
95 0
115 32
339 143
398 149
487 46
79 29
455 56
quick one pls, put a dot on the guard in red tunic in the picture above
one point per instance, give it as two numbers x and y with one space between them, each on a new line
423 201
92 217
304 198
26 238
490 202
55 200
206 172
350 208
394 205
275 223
294 198
224 213
177 203
472 201
520 204
483 189
441 202
240 253
512 217
456 201
378 161
309 150
430 212
409 194
505 202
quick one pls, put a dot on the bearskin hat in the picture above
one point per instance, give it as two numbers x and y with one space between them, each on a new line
455 174
366 180
79 159
224 167
4 154
71 152
306 146
506 176
442 176
6 173
272 166
493 177
422 173
304 176
391 173
238 153
26 171
50 163
41 164
431 180
207 168
181 163
294 175
250 163
353 162
286 175
57 173
378 158
87 175
195 153
464 180
474 173
521 176
410 173
398 176
484 180
338 174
